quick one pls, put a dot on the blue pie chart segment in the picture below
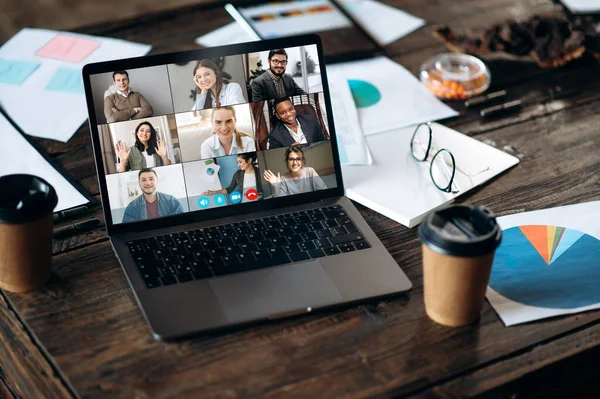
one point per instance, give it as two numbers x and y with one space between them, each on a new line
364 93
571 280
569 238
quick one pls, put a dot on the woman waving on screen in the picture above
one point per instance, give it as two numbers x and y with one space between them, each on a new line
298 179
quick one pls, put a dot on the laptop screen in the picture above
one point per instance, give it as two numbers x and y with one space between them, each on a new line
213 132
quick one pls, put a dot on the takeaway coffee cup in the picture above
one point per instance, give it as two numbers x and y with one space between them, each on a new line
459 243
26 205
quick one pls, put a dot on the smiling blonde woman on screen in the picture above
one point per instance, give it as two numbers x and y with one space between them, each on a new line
226 139
211 91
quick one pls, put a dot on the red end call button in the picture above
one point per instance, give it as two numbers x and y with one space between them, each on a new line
251 194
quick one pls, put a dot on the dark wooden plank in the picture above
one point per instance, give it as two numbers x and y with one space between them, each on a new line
29 373
516 376
32 13
5 391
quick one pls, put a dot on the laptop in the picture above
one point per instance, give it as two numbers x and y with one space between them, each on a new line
222 188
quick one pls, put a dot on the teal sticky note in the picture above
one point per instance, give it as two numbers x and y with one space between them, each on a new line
15 72
67 80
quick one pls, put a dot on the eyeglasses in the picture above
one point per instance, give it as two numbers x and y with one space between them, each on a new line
278 62
295 160
442 165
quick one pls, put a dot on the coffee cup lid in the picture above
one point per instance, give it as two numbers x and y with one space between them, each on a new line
25 198
461 230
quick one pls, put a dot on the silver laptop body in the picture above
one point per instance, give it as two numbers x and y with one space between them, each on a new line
193 305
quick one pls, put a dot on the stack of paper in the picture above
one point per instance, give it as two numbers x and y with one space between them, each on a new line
41 87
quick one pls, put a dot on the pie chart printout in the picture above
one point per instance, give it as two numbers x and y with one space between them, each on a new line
364 93
547 267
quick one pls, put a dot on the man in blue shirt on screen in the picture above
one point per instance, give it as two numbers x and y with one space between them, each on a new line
151 204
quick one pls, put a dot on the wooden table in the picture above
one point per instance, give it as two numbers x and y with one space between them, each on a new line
83 335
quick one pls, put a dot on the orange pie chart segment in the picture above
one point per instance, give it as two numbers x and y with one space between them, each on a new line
538 237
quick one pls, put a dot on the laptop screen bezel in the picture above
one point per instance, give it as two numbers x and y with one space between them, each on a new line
193 55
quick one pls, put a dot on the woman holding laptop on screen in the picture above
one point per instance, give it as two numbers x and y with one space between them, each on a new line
211 91
243 179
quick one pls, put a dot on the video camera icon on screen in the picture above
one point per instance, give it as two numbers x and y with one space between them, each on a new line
235 197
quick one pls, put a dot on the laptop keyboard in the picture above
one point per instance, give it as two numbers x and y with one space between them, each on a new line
237 247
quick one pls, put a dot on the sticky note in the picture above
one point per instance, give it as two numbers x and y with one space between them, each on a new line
66 80
15 72
68 48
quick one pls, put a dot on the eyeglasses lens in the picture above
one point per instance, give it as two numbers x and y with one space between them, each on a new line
442 169
420 142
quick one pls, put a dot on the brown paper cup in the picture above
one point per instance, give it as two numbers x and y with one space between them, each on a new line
458 244
26 260
26 206
454 287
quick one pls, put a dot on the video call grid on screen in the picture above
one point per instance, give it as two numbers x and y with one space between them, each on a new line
189 169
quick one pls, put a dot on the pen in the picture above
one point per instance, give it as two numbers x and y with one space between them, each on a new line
80 227
502 108
69 213
483 99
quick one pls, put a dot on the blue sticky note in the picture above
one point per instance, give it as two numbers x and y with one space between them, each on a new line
66 80
15 72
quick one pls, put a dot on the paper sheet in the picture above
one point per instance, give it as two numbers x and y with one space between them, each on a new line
524 286
50 102
210 171
384 24
388 96
228 34
582 6
351 140
21 157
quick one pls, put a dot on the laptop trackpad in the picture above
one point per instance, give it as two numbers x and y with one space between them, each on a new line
275 290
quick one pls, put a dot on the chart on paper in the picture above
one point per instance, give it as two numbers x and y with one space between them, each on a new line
547 267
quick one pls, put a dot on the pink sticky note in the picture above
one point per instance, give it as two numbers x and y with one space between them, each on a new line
68 48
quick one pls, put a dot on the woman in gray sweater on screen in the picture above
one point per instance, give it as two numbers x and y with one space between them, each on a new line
299 178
